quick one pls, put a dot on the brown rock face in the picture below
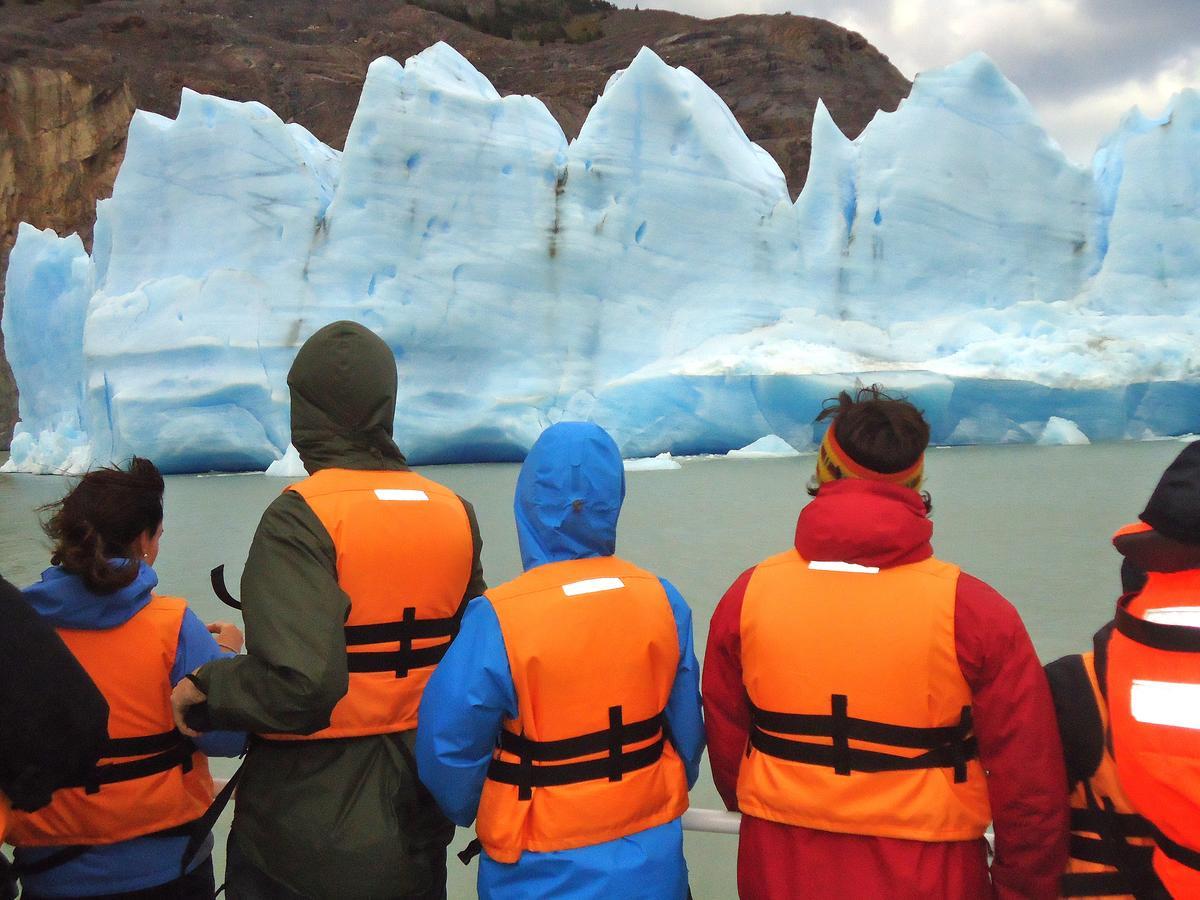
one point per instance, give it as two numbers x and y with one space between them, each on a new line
61 142
71 74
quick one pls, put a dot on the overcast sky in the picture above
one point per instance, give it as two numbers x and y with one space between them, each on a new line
1082 63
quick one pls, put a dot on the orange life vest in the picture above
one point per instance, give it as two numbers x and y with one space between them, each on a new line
1111 846
1154 705
593 650
404 556
150 778
860 715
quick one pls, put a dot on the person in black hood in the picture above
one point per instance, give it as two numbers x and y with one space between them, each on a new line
1111 845
1153 672
55 719
353 587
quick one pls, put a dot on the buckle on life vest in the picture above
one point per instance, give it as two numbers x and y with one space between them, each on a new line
1133 870
949 746
611 741
161 752
403 632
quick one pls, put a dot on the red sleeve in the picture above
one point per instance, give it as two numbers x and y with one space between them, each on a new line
726 713
1019 744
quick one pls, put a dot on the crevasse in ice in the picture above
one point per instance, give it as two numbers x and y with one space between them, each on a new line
652 275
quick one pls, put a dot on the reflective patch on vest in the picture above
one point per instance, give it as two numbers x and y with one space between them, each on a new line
1175 615
834 566
592 586
410 496
1165 703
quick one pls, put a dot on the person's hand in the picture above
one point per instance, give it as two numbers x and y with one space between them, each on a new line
229 636
186 695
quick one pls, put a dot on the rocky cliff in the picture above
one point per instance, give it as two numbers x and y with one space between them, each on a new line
71 74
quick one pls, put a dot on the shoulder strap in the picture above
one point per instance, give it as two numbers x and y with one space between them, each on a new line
1079 723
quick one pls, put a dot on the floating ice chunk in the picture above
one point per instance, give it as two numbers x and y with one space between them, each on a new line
662 462
1060 431
770 446
288 465
988 426
61 449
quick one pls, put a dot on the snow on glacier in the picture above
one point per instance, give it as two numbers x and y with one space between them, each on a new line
652 275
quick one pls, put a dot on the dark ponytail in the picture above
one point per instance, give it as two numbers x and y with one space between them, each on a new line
100 519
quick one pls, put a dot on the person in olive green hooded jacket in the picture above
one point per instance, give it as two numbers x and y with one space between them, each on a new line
342 815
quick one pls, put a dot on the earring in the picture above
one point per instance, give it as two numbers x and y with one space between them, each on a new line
145 556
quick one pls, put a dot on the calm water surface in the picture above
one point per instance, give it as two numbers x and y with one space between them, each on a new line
1034 522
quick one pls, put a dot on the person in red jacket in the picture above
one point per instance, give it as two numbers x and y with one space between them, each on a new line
871 708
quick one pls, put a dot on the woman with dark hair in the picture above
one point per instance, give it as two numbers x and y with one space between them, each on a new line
122 829
871 708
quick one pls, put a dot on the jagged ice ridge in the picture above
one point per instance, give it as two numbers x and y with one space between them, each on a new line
652 275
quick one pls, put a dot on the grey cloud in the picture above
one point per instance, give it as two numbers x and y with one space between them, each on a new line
1105 45
1109 43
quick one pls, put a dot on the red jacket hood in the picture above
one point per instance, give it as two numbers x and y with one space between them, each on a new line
865 522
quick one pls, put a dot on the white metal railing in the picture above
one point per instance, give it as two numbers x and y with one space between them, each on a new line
712 821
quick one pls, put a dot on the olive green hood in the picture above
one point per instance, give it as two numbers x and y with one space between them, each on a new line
343 386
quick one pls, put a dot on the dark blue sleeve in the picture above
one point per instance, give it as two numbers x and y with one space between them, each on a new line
683 706
197 647
466 701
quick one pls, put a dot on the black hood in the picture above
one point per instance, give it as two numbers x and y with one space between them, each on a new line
343 386
1174 507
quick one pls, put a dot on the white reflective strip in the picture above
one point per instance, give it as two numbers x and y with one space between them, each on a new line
387 494
1175 615
843 567
1165 703
592 586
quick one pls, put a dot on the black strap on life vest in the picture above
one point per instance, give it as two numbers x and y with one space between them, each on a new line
1080 724
160 753
1185 856
1133 870
1095 884
403 631
614 765
198 830
950 746
216 578
1156 635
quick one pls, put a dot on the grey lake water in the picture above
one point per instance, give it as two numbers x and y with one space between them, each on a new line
1035 522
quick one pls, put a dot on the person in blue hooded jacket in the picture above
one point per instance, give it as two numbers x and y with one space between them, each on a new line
565 718
124 830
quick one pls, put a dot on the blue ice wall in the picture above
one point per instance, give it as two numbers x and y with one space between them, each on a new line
652 275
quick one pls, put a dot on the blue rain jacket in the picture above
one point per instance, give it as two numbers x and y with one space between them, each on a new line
568 498
65 602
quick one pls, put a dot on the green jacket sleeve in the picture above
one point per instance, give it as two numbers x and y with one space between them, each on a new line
294 669
476 585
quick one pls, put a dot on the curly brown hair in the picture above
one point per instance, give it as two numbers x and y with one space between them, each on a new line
884 432
100 518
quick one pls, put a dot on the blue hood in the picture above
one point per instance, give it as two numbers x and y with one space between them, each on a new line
65 601
569 495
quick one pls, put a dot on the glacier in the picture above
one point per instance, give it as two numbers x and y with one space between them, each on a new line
652 275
